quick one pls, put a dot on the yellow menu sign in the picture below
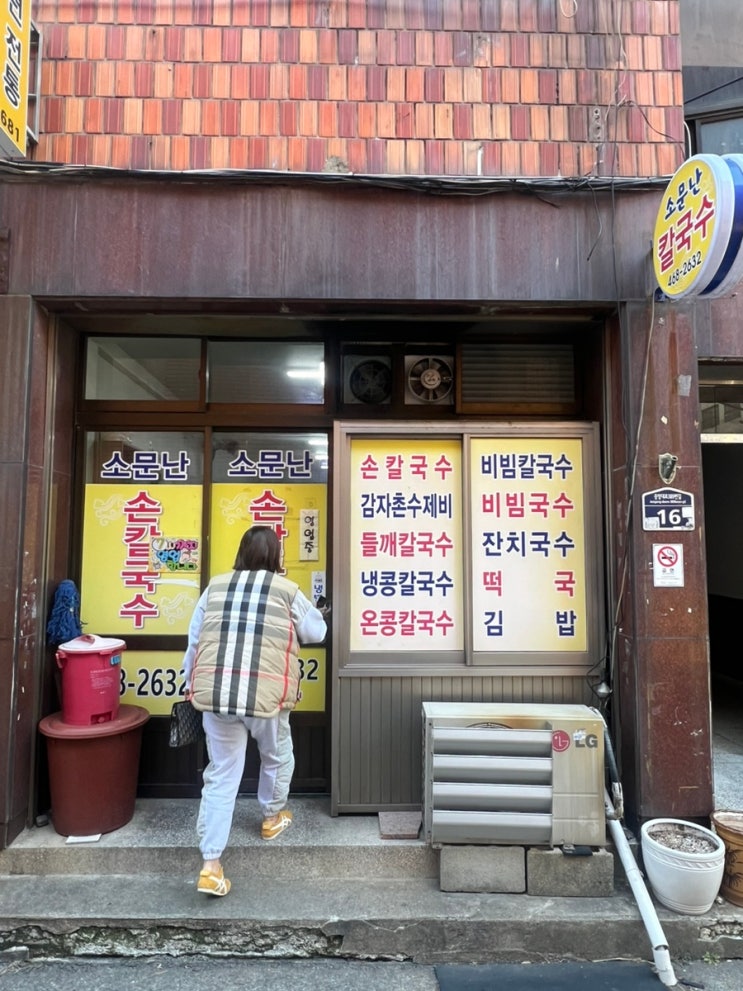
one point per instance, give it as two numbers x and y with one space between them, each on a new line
528 545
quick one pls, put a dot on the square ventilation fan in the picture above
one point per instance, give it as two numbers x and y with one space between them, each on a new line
429 380
367 379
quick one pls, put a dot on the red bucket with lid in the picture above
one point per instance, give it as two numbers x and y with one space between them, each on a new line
91 679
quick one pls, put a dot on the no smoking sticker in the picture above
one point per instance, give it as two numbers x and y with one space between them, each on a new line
668 565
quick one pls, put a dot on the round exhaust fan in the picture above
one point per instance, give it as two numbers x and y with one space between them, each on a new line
430 379
370 381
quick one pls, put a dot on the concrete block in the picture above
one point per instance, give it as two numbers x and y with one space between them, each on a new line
482 868
550 873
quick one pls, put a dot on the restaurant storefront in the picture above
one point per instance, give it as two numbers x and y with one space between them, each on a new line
440 426
462 548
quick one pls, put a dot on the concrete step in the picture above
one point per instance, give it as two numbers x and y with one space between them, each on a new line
327 887
161 839
394 919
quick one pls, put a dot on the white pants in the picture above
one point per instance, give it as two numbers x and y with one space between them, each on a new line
226 742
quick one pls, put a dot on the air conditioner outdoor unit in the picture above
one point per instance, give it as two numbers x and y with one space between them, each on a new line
513 774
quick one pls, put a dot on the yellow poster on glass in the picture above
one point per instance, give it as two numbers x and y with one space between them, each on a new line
141 561
153 679
297 512
406 545
528 545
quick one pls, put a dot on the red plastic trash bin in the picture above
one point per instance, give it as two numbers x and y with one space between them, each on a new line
91 679
93 771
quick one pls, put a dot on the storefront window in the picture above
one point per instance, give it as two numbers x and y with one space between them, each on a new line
277 480
721 399
472 547
145 369
721 137
142 553
723 417
266 372
143 559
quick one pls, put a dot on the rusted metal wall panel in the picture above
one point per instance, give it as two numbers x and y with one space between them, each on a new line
661 660
170 240
717 327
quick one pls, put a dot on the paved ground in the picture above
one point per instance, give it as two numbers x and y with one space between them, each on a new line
216 974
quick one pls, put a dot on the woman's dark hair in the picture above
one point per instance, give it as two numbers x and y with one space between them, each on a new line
259 550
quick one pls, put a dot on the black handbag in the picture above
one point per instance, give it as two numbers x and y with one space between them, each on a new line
185 725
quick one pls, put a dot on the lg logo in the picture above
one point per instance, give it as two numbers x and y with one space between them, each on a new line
582 740
589 740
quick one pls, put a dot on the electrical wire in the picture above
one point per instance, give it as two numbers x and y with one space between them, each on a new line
437 185
687 131
607 662
630 494
715 89
669 137
601 228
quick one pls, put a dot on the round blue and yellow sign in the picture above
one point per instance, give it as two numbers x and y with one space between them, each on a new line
699 228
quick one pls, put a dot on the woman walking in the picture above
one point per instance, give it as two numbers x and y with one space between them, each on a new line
242 671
